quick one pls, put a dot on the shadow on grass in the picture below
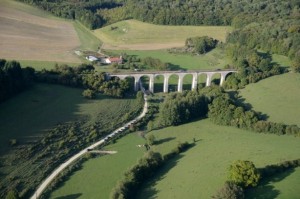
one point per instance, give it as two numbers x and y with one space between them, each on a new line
71 196
265 190
161 141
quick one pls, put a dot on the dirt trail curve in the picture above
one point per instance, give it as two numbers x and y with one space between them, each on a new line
49 179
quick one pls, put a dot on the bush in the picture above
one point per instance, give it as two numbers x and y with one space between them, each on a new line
230 191
89 94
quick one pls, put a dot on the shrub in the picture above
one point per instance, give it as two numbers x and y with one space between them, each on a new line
230 191
89 94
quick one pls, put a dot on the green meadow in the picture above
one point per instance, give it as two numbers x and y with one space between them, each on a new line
202 170
136 32
102 173
278 97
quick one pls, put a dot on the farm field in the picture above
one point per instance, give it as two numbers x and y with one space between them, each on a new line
136 35
101 174
278 97
202 169
27 33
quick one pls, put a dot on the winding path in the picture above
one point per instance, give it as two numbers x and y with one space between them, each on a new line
54 174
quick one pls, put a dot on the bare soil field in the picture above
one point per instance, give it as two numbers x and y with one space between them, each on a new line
26 36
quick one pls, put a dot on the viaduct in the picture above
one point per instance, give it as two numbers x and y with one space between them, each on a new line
166 74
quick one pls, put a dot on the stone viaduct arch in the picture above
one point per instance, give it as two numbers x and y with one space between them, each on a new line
166 74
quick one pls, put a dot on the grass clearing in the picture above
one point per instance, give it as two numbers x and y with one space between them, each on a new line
278 97
136 35
28 34
203 169
101 174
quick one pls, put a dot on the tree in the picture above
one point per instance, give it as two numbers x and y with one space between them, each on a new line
151 140
244 173
230 191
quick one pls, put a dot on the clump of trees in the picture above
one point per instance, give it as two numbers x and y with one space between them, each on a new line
84 76
200 45
89 94
179 108
14 79
252 66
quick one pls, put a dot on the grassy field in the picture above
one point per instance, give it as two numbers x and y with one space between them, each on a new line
101 174
136 35
27 33
278 97
202 169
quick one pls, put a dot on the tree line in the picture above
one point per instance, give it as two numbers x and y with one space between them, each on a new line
14 79
84 76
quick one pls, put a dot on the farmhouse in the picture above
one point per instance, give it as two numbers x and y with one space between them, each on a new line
110 60
92 58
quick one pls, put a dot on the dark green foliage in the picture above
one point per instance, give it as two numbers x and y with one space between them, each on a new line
14 79
134 177
296 64
223 111
244 173
84 76
156 64
200 45
252 66
179 108
230 191
150 140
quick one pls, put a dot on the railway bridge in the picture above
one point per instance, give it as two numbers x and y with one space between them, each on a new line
166 74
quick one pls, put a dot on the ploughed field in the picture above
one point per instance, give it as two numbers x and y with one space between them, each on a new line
27 33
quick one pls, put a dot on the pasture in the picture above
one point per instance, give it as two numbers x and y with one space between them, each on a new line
136 35
200 171
102 173
27 33
278 97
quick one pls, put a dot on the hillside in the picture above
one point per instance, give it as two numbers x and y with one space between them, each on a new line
136 35
26 33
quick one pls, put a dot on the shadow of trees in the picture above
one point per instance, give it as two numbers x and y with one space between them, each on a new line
161 141
71 196
265 190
